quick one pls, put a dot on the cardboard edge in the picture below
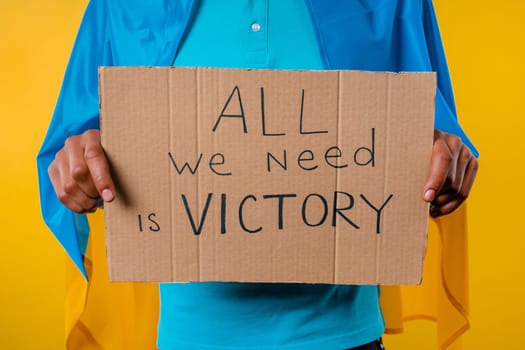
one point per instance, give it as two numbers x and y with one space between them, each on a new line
101 70
433 82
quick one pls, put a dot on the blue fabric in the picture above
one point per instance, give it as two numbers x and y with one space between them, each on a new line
267 316
387 35
390 35
261 316
127 32
221 36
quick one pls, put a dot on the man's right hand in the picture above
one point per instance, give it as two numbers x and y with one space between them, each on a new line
80 173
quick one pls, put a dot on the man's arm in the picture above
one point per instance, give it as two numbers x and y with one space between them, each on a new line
76 111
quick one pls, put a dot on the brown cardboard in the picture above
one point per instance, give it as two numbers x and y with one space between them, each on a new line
155 119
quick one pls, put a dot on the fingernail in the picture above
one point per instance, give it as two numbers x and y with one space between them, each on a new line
107 195
429 195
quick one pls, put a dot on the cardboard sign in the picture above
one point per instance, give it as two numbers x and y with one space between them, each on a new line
266 176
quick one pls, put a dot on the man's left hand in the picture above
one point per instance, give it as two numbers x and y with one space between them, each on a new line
451 175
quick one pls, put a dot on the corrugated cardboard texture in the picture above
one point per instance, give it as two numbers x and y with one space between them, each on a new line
292 176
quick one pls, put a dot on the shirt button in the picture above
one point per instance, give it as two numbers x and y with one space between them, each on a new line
256 27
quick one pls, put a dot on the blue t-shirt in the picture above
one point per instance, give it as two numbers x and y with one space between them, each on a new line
261 34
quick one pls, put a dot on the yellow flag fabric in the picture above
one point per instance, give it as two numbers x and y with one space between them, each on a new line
443 295
104 315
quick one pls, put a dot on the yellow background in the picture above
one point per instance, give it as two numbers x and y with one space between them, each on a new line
485 44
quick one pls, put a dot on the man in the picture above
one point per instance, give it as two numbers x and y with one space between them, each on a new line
385 35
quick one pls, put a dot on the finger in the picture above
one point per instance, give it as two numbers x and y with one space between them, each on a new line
444 197
448 208
70 192
63 196
453 190
454 202
79 170
54 177
99 169
441 162
98 203
470 176
463 160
